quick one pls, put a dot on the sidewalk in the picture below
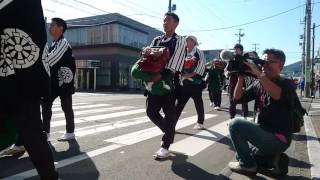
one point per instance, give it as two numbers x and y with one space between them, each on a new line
312 128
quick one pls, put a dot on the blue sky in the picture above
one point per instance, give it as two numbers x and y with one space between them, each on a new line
209 20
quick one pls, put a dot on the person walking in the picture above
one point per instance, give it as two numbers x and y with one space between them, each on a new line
191 79
62 69
215 83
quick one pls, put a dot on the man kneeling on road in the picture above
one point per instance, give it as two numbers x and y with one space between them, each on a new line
272 135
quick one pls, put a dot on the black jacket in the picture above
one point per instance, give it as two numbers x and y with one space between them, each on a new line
62 67
23 38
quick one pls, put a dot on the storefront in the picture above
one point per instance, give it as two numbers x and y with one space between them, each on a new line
86 74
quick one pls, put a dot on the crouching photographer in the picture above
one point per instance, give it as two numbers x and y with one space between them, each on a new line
271 136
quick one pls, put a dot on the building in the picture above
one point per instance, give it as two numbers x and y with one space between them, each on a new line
105 48
212 54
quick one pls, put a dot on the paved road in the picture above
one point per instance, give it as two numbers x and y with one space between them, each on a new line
115 140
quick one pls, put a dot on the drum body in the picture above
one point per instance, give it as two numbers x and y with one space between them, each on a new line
153 59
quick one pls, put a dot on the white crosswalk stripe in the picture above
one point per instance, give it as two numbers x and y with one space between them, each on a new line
91 111
98 117
201 140
83 107
315 105
57 104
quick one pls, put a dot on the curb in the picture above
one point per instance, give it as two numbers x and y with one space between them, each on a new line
313 148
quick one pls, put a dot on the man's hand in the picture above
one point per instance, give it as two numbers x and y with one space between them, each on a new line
156 77
253 69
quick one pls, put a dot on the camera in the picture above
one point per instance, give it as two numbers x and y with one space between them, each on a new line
235 61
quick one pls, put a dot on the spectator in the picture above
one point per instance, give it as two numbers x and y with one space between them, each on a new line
62 68
272 135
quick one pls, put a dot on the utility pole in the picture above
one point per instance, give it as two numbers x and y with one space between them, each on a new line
307 51
239 35
255 46
312 61
172 7
302 37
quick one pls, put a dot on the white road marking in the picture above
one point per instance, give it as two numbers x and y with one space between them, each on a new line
98 117
111 126
83 107
145 134
73 104
315 105
193 145
91 111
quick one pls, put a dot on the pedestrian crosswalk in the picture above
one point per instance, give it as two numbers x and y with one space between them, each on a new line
107 127
103 127
95 118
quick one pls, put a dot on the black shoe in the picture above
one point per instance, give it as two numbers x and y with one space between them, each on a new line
280 165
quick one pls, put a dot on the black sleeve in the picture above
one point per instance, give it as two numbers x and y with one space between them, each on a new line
287 92
250 93
197 56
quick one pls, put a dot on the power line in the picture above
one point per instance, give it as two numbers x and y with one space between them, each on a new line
148 9
73 7
91 6
250 22
89 25
134 7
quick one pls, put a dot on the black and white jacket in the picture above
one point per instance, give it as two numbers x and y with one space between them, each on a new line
200 68
177 46
62 67
23 70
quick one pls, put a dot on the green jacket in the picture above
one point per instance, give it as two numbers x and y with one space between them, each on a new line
215 79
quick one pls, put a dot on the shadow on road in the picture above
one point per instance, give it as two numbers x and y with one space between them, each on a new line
186 170
84 169
217 137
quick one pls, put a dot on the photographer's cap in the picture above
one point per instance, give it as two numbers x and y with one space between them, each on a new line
194 39
238 46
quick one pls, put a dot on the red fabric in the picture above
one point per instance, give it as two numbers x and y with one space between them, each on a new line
219 64
155 60
189 63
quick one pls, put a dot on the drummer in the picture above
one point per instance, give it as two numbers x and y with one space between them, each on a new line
192 83
166 102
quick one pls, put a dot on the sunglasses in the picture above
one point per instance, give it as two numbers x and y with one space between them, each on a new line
271 62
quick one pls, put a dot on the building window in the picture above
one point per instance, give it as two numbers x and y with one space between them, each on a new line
104 34
104 74
124 74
